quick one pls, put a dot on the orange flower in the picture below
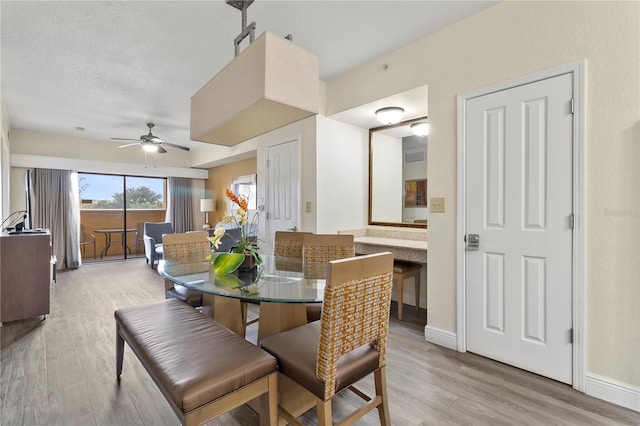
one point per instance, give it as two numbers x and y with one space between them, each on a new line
240 201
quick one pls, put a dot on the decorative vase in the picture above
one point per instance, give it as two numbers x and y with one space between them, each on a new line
248 263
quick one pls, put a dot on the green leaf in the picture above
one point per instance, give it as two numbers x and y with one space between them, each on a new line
225 263
228 281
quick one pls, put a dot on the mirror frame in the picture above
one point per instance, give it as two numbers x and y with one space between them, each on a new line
371 132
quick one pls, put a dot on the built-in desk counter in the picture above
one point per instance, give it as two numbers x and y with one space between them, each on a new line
405 244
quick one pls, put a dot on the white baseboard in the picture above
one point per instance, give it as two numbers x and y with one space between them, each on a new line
440 337
617 393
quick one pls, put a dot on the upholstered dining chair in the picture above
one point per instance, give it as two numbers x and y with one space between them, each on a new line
288 247
185 248
347 344
317 251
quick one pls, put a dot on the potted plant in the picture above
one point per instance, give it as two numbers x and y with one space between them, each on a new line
244 254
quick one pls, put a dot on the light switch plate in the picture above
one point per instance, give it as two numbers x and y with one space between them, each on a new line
436 205
308 207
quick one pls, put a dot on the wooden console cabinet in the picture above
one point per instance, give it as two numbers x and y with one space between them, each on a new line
24 275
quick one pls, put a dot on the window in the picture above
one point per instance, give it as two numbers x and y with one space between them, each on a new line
246 186
106 192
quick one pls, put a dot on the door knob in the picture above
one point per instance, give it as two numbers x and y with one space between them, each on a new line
294 229
473 240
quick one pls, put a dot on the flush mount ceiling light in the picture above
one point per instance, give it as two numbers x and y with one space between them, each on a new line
390 115
270 84
420 129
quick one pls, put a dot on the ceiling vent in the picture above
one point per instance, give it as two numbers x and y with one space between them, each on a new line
414 157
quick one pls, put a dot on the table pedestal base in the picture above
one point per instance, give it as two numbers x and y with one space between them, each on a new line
232 313
278 317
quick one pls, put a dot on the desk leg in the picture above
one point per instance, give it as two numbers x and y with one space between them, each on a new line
278 317
230 312
125 247
107 244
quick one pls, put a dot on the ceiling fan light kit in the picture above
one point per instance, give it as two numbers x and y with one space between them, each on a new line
150 143
270 84
150 147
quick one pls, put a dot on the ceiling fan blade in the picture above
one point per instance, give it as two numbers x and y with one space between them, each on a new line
171 145
129 144
161 150
124 139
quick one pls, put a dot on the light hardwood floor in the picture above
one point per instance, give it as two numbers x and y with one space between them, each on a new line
61 371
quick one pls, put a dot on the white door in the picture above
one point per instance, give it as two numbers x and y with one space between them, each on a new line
283 181
519 203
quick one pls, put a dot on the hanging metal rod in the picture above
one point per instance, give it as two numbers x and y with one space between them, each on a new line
247 30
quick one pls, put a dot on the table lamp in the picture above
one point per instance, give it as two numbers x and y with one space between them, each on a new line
206 206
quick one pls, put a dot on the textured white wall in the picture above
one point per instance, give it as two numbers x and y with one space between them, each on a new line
509 40
342 174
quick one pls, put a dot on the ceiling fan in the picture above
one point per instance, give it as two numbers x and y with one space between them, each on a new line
150 142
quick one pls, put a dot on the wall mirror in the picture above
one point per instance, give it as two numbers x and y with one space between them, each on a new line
398 176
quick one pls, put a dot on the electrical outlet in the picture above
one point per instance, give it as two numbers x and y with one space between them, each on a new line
436 205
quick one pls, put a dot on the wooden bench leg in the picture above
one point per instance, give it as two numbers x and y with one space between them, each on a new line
400 282
417 280
269 403
119 352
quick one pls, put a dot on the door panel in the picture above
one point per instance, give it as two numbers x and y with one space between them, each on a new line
519 200
283 176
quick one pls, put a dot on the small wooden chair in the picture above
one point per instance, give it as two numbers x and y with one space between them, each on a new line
402 270
347 344
87 240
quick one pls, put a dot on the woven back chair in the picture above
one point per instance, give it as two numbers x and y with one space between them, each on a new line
289 244
190 247
288 250
320 249
355 321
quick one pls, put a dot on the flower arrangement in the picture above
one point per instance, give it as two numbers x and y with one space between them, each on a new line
225 263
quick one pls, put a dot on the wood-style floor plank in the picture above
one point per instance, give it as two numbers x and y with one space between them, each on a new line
61 371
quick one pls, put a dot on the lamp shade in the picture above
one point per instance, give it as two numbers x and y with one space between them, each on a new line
272 83
206 205
420 129
390 115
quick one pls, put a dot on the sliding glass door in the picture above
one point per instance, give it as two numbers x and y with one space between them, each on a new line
113 209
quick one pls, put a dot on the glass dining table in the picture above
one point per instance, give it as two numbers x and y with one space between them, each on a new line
279 285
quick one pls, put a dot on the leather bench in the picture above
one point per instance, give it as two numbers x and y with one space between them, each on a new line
202 368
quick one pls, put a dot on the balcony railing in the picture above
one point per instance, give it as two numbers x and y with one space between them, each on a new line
92 219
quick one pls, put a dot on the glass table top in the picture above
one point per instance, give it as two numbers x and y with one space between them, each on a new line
277 279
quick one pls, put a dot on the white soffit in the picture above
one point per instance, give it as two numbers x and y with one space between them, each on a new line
414 102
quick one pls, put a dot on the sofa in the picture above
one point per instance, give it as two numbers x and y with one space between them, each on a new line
153 232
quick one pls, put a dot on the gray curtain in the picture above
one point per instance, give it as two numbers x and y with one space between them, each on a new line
180 204
56 206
